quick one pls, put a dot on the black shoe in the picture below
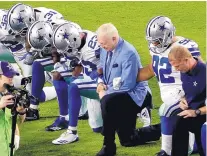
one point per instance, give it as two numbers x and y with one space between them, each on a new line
162 153
83 117
147 134
107 150
59 124
32 114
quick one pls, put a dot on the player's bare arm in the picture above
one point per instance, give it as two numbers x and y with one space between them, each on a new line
77 70
145 73
27 46
55 55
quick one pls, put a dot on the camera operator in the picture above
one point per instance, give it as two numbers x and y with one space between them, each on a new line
6 76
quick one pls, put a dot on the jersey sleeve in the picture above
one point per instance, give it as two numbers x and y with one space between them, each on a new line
191 45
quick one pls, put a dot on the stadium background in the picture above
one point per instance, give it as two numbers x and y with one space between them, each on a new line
131 19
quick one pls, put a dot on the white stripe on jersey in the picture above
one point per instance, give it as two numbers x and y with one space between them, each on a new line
87 85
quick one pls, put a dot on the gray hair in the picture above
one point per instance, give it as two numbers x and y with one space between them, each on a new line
108 30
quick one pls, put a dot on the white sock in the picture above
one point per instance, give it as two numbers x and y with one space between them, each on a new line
167 143
50 93
72 128
33 106
191 142
65 116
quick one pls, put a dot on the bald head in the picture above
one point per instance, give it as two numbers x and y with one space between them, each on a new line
108 36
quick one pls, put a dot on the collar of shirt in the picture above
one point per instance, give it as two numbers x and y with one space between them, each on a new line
118 45
196 68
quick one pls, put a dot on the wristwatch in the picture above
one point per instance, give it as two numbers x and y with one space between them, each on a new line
197 112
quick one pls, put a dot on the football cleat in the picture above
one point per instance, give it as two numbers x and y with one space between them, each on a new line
66 138
84 116
59 124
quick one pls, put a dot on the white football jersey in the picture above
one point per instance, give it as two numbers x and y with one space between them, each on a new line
168 78
7 39
90 53
5 30
48 15
52 16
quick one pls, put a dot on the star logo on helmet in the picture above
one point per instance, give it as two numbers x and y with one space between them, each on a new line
20 19
40 38
162 27
65 36
9 66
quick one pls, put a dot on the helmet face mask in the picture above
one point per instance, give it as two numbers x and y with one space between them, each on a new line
156 42
159 34
23 32
47 49
20 18
66 39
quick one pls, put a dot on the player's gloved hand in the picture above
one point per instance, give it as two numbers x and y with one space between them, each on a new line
28 58
74 63
31 56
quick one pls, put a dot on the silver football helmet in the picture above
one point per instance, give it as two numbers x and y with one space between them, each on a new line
66 39
40 37
159 33
77 26
62 21
20 17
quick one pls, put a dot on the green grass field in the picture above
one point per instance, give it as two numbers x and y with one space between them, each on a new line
131 19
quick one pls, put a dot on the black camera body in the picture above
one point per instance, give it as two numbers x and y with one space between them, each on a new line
21 97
